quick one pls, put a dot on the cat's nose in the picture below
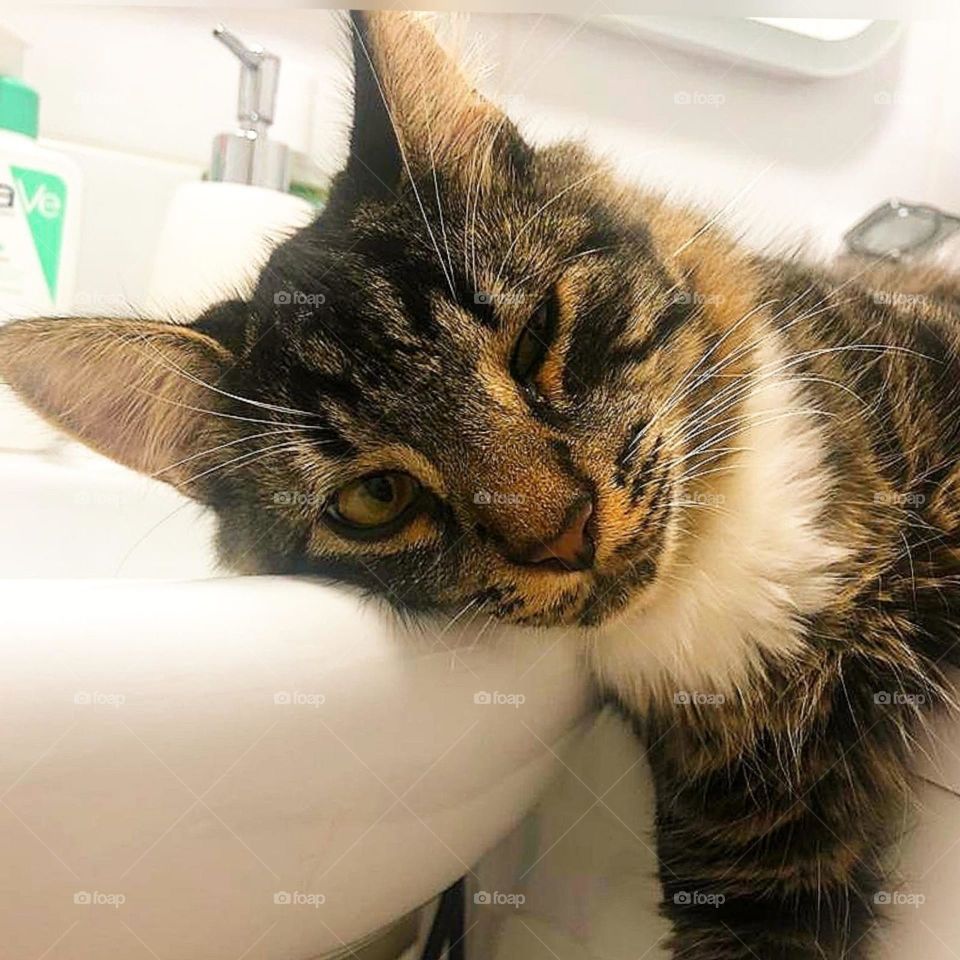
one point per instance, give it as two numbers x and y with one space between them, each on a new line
573 547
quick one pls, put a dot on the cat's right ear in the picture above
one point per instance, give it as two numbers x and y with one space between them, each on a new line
414 109
143 393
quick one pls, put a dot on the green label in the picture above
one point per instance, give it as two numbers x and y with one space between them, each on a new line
44 199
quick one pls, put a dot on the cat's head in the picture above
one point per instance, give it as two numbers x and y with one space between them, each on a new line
463 387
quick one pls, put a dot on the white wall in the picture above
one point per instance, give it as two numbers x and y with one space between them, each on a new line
136 94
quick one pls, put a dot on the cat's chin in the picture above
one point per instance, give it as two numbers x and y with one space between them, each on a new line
604 612
614 597
601 599
599 608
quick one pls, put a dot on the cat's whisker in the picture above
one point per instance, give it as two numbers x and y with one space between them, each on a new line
701 419
539 212
467 606
467 271
722 454
483 160
403 157
148 533
803 316
707 447
705 417
777 332
722 364
693 428
486 156
749 422
490 621
679 393
698 233
733 427
433 166
470 213
689 504
223 446
694 474
165 361
248 457
766 334
229 416
553 266
775 367
699 475
475 614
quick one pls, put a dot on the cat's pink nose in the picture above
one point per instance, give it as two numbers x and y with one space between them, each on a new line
573 547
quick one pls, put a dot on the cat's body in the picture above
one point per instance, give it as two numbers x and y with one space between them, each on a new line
804 642
517 387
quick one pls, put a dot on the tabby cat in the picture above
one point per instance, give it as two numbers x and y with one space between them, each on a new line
491 377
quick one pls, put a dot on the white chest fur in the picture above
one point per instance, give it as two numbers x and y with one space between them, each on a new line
741 588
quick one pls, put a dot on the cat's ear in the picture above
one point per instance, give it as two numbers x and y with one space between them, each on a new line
414 108
130 389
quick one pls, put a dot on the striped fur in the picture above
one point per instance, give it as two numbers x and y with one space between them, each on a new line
770 450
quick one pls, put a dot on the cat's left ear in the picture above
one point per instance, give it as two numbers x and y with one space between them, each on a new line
414 107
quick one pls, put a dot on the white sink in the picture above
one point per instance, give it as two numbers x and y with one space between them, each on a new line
214 766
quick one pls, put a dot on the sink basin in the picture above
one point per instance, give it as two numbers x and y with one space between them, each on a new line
222 767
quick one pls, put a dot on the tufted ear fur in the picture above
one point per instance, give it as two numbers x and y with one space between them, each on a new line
129 389
414 110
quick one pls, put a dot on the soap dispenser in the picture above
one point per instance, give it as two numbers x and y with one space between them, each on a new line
219 232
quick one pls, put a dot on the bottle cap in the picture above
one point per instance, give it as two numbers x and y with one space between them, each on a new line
19 106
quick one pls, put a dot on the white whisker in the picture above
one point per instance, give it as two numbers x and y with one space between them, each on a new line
406 163
248 457
223 446
527 223
187 375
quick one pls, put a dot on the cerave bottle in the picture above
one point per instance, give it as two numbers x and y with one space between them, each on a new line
39 211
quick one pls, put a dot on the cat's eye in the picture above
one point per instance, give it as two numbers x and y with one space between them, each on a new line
534 341
374 502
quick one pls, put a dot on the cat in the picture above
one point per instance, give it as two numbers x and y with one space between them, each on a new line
491 376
